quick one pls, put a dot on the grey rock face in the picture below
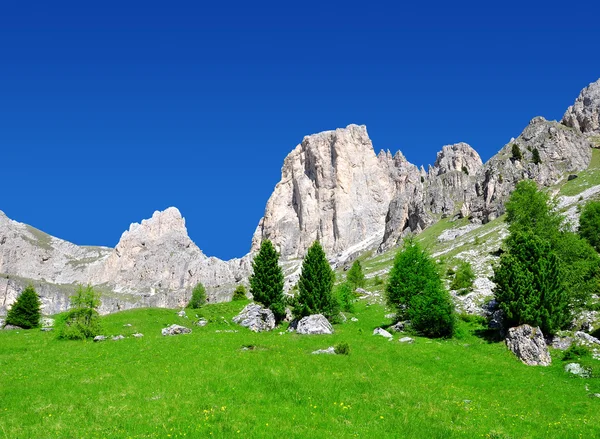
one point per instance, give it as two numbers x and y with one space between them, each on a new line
528 345
584 114
256 318
175 330
314 324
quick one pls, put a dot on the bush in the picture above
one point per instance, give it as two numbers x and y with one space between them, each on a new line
463 279
378 280
198 299
345 295
416 291
536 156
575 352
25 312
516 152
266 281
83 321
239 293
315 285
589 224
355 276
342 348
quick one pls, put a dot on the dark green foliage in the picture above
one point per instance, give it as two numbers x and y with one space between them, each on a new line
315 285
416 291
529 287
346 296
463 279
266 282
536 156
575 352
529 209
431 313
342 348
239 293
378 280
355 276
198 299
83 320
589 224
25 312
516 152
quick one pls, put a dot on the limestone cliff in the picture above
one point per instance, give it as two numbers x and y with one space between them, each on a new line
584 114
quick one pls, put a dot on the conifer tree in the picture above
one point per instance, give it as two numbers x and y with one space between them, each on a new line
536 156
83 320
198 299
355 276
589 224
25 312
516 152
266 282
315 285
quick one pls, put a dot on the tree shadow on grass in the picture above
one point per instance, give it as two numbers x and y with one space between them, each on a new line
489 335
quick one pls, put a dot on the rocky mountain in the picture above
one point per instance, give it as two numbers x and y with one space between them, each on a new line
333 187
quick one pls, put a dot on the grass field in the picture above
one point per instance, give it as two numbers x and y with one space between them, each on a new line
204 385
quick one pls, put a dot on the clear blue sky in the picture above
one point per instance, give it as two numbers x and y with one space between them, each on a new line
112 110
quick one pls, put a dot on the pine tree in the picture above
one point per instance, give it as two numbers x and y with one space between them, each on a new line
589 224
355 276
266 282
83 320
516 152
529 287
239 293
198 299
25 312
416 291
315 285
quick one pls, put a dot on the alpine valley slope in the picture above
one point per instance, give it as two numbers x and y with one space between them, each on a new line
334 188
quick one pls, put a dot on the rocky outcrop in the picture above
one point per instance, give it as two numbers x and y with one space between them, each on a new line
175 330
313 324
561 150
528 345
584 114
256 318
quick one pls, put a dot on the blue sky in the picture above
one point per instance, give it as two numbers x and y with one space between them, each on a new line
112 110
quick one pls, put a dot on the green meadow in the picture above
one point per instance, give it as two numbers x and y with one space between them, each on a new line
205 384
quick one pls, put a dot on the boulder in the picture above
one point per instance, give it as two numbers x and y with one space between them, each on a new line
314 324
201 322
118 337
11 327
100 338
586 339
528 344
353 319
399 326
46 329
47 322
407 340
578 369
175 330
561 343
138 335
330 351
256 318
382 333
182 314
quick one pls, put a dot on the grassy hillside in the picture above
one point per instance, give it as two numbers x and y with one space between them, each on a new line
205 385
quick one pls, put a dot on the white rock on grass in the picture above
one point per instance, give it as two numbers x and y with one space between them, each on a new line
528 344
118 337
314 324
382 333
175 330
201 322
406 340
577 369
138 335
256 318
100 338
330 351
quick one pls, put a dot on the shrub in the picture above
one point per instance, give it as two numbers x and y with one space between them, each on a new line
378 280
315 285
83 321
516 152
239 293
463 279
575 352
342 348
266 281
25 312
198 299
536 156
345 295
415 290
589 224
355 276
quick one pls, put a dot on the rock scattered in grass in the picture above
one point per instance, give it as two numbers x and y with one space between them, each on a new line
175 330
182 314
201 322
330 351
11 327
528 344
47 329
587 339
138 335
406 340
353 319
577 369
118 337
382 333
314 324
100 338
256 318
127 325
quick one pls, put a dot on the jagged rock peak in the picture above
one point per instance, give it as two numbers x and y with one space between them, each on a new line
333 188
161 223
584 114
457 157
